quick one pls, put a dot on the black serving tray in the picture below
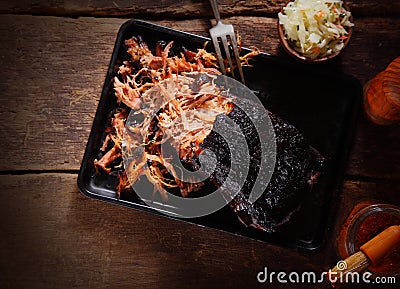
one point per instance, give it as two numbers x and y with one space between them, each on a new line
320 101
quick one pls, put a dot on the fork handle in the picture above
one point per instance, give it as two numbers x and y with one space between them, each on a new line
215 9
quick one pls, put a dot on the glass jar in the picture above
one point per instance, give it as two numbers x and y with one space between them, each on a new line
367 220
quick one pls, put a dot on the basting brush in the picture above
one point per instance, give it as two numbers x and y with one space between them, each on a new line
371 253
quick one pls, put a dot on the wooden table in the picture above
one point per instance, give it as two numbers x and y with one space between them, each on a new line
54 57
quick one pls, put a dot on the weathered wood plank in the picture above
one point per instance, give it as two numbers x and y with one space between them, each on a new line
53 70
52 236
177 9
52 74
375 152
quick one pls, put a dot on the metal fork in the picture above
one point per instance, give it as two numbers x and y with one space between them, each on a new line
226 34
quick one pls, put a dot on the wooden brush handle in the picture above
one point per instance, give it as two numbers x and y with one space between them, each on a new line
379 246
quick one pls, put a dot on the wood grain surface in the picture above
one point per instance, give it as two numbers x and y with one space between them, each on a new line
60 74
54 237
176 9
54 57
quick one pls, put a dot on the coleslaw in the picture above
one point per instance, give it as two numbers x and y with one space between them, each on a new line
315 28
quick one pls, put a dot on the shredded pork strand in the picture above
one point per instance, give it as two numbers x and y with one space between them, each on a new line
185 120
115 134
189 106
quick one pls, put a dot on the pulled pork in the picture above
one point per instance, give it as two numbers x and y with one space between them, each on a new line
195 110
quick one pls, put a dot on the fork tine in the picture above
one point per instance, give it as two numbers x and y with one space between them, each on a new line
219 55
237 57
228 54
223 31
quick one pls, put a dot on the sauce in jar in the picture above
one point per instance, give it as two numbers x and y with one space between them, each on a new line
372 226
367 220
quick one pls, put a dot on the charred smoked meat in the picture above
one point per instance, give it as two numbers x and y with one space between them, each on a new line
295 166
